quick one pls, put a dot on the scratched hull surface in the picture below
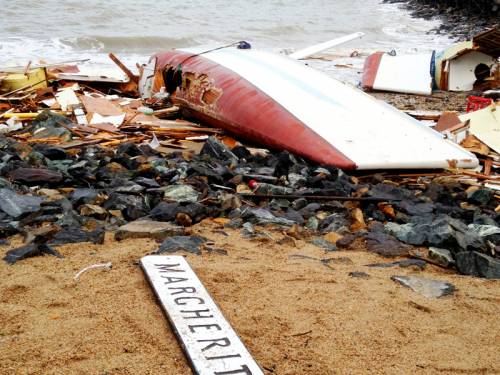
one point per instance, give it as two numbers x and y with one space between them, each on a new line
283 103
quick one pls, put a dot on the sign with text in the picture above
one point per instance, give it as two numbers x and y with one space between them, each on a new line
207 338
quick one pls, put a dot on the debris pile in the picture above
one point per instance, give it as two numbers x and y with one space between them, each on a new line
78 159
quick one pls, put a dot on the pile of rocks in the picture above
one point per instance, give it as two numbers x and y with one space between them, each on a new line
460 19
54 196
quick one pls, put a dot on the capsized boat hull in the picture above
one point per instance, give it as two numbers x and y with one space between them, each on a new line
281 103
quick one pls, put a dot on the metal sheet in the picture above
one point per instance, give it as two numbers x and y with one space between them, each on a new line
206 337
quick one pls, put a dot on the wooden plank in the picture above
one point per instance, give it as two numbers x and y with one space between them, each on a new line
207 338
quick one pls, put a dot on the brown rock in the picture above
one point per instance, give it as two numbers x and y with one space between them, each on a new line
148 229
357 220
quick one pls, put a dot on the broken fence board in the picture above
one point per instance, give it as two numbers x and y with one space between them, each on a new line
207 338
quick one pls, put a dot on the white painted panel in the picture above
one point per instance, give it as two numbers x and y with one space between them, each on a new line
370 132
409 74
209 341
461 76
485 125
306 52
147 79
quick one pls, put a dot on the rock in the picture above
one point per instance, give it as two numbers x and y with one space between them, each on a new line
8 228
427 287
264 217
78 235
83 195
48 125
361 275
213 147
16 205
443 231
312 223
190 244
165 211
181 193
357 220
50 152
130 188
406 233
93 211
385 245
35 175
28 251
148 229
478 264
147 182
484 230
415 209
347 240
113 171
401 263
480 196
324 244
442 257
332 237
133 207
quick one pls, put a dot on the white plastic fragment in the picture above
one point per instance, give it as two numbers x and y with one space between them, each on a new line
106 266
154 144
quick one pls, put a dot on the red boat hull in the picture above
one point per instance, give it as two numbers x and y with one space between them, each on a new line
219 96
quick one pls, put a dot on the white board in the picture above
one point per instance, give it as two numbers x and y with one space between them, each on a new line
209 341
485 125
306 52
409 74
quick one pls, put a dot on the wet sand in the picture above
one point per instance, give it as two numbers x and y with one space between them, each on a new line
296 316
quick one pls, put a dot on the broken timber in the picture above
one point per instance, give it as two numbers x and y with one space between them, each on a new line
206 337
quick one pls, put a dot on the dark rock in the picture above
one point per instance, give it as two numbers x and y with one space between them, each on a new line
324 244
190 244
294 216
28 251
358 274
385 245
298 204
480 196
77 235
83 195
413 208
478 264
133 207
35 176
130 188
51 152
442 257
8 228
16 205
165 211
214 148
347 240
147 182
264 217
401 263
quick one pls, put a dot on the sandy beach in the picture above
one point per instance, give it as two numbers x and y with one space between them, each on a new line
296 315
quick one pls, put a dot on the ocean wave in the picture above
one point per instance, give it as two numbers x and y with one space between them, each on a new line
136 44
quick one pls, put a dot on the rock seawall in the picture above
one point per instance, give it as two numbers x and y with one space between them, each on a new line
460 19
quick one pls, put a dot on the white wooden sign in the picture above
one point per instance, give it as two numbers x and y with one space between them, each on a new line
207 338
